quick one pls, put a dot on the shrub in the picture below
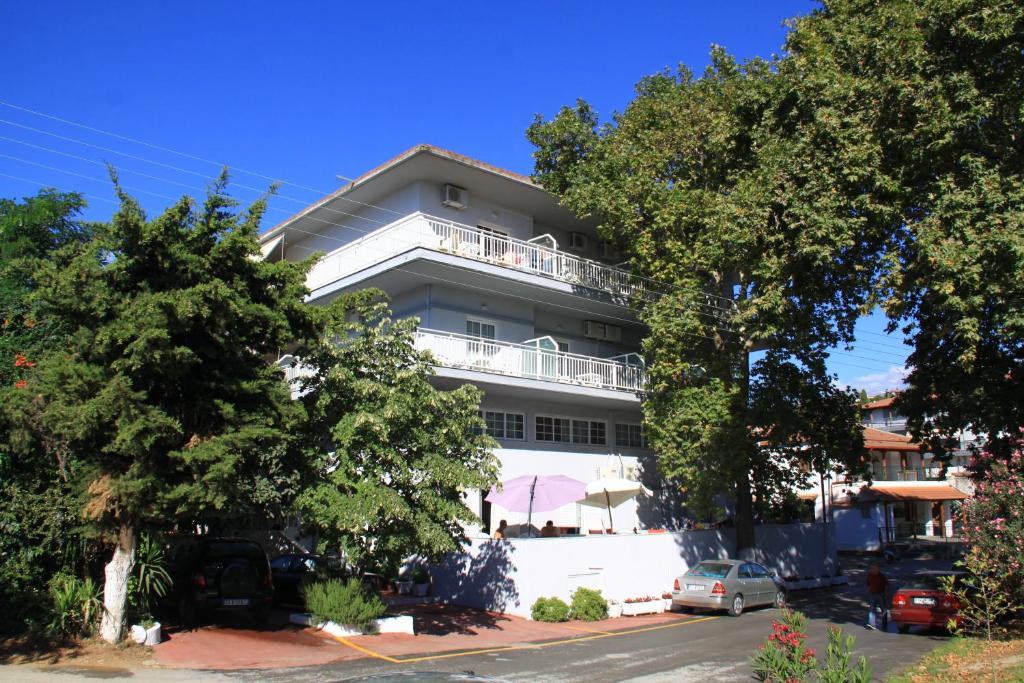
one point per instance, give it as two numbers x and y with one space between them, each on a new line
588 605
75 605
348 603
838 667
549 609
784 656
420 575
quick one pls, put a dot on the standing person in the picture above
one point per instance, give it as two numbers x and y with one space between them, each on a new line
877 586
501 532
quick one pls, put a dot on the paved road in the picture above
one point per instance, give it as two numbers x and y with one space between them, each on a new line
697 650
715 649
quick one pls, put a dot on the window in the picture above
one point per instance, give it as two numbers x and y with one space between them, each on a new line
552 429
493 243
588 432
479 328
630 436
504 425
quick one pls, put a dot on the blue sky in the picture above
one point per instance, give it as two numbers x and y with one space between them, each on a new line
305 92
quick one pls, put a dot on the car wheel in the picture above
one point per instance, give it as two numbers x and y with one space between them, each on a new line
260 615
903 628
186 613
780 600
686 610
736 608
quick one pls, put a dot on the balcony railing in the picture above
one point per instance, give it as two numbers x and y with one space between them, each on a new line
538 256
531 360
910 474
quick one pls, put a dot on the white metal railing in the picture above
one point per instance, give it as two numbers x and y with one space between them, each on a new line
529 361
421 230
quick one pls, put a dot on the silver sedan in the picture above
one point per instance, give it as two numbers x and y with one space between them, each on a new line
728 584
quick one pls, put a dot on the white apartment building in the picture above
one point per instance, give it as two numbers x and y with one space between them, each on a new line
514 295
910 495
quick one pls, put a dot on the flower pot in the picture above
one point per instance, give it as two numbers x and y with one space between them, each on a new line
632 609
153 634
614 610
403 587
145 636
420 589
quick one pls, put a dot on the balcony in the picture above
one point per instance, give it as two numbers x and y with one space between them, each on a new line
910 474
539 256
534 359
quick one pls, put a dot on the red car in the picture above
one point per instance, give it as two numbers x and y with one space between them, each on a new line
922 602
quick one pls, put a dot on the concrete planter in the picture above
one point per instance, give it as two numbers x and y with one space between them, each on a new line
146 636
402 624
614 610
403 587
632 609
420 590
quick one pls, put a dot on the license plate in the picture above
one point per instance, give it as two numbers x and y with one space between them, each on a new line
923 601
695 587
236 602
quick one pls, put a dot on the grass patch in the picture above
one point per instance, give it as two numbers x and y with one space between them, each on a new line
967 659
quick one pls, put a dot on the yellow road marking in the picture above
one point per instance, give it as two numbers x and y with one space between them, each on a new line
586 630
597 635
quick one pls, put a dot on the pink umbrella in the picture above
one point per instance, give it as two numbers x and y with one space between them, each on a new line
531 493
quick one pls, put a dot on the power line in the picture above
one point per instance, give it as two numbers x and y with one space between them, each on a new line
501 293
284 182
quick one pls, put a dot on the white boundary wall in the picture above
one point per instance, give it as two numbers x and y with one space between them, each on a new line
508 576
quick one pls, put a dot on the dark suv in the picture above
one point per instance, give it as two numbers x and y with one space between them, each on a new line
221 574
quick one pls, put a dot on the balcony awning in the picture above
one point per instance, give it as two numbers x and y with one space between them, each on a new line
877 440
930 491
807 495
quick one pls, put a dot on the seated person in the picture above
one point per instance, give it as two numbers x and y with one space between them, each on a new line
501 532
548 530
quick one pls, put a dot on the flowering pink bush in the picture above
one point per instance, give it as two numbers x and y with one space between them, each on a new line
784 656
993 521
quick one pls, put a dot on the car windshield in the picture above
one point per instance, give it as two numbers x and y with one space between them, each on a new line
712 570
226 549
924 582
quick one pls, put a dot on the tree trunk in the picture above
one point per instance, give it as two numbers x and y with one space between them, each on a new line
744 498
744 517
115 585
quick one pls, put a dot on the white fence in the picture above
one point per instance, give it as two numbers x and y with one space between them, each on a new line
508 576
538 256
531 362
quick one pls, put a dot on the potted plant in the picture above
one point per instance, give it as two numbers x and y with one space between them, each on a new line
147 632
667 597
403 586
420 581
647 604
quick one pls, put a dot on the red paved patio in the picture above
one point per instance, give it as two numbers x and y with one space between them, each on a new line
440 629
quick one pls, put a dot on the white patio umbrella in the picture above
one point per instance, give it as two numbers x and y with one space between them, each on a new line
611 491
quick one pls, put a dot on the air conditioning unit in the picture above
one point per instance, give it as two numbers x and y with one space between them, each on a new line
578 241
593 329
612 333
455 197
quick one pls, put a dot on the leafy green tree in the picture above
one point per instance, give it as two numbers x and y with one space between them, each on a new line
934 90
395 455
39 525
162 397
727 190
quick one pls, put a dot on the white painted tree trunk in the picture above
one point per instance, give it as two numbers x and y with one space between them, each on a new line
115 586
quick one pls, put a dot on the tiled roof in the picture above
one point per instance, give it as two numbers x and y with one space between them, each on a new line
880 403
878 440
923 491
